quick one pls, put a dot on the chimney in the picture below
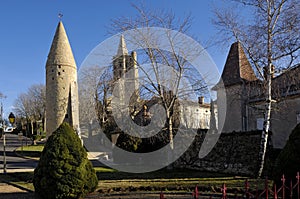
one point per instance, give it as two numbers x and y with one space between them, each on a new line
201 100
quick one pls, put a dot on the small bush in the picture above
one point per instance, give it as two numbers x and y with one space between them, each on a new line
288 161
128 143
64 170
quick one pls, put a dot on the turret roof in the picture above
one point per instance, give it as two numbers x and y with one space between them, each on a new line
237 67
61 52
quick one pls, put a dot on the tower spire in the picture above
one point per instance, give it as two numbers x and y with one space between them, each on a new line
60 51
122 49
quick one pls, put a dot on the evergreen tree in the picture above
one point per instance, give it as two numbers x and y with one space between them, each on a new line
64 170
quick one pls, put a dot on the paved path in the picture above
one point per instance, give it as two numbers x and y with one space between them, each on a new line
8 191
6 188
14 163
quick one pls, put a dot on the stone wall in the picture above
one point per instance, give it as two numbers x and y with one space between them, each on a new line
234 153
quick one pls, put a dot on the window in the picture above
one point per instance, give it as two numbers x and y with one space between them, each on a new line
260 123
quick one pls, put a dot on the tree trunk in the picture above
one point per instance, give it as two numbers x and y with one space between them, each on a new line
31 125
265 133
170 132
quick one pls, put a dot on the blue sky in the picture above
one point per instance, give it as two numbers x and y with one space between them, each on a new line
28 27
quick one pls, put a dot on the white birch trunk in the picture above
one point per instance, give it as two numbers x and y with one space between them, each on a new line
265 133
269 74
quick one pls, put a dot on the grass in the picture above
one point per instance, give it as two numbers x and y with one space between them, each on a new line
20 179
179 180
32 151
175 180
112 181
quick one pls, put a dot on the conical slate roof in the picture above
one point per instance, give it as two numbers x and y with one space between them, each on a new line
237 67
122 49
60 52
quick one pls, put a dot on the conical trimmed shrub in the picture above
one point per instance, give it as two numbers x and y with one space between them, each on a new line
64 170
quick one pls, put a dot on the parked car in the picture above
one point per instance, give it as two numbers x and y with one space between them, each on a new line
9 129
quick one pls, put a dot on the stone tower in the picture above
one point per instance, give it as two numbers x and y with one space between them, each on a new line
125 64
237 77
61 84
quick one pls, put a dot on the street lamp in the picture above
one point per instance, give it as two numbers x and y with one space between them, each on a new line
11 119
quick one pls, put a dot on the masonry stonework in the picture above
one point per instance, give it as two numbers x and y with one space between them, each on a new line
234 153
61 84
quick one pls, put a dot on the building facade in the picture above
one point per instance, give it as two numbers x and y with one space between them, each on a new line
245 94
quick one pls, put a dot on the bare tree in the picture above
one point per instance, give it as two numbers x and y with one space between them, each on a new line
37 93
2 96
162 71
93 96
31 105
270 36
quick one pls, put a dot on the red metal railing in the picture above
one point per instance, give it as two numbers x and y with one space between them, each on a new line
285 191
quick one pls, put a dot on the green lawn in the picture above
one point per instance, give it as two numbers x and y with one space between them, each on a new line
22 179
33 151
174 180
112 181
179 180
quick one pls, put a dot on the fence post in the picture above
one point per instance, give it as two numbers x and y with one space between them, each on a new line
291 189
267 187
298 184
247 189
283 186
196 193
275 191
161 195
224 189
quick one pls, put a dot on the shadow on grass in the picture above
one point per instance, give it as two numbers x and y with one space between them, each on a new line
160 174
17 177
32 154
18 195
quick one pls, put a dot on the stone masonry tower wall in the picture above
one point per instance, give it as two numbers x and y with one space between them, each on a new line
61 84
125 64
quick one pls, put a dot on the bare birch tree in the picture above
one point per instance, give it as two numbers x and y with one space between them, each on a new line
270 35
